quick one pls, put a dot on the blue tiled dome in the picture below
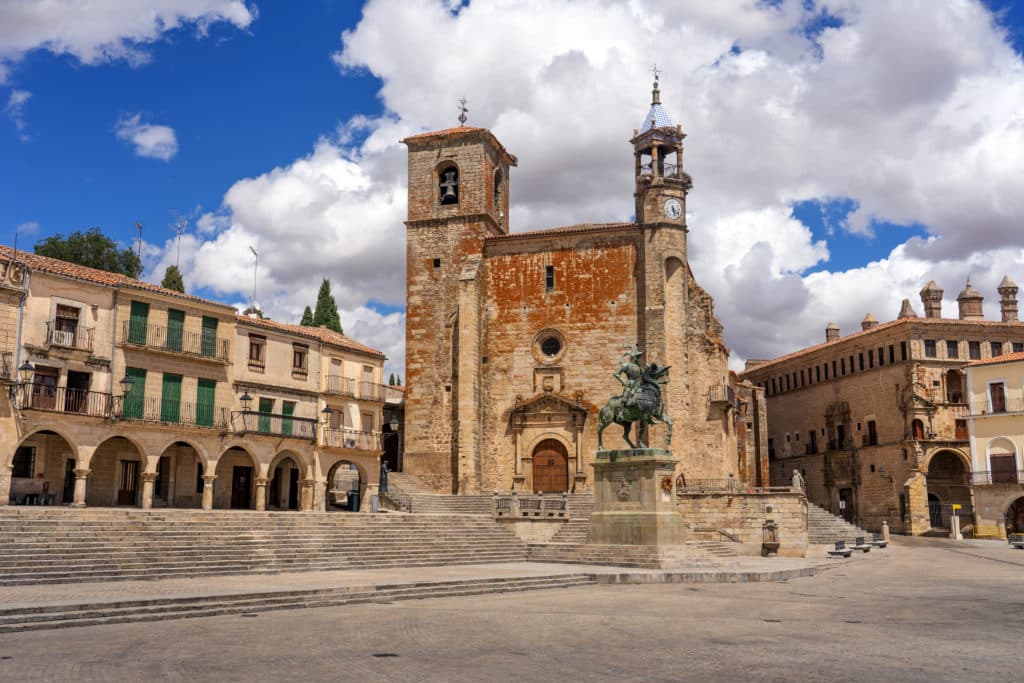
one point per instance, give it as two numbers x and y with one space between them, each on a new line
656 118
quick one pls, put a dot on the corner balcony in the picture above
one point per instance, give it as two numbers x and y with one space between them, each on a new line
367 391
271 424
353 439
1005 407
64 400
998 477
200 345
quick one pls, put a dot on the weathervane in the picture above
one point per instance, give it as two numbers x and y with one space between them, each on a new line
462 111
656 71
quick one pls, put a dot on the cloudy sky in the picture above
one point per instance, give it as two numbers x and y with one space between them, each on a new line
843 152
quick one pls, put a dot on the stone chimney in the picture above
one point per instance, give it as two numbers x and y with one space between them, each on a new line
906 310
868 322
832 331
1008 299
970 301
931 299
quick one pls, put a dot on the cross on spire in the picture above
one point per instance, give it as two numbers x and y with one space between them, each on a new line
656 71
655 91
462 111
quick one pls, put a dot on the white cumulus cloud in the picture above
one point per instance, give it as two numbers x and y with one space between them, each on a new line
149 140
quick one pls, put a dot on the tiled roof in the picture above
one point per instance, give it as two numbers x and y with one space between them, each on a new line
54 266
579 227
657 117
460 131
322 334
878 328
1006 358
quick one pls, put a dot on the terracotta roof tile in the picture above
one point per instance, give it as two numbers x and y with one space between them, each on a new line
579 227
54 266
329 337
1005 358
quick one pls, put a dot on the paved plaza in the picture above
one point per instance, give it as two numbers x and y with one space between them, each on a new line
923 610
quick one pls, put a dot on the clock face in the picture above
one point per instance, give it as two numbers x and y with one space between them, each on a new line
673 208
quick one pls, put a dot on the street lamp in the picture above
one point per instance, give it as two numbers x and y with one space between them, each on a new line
326 415
25 372
394 423
246 401
126 385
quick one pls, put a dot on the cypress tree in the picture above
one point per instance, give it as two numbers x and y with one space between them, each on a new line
307 317
173 279
326 312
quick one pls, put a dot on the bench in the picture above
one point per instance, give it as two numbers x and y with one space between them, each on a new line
878 541
840 550
860 545
987 531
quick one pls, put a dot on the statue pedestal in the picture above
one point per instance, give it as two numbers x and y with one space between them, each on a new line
634 498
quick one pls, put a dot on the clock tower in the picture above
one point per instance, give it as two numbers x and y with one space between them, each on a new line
661 183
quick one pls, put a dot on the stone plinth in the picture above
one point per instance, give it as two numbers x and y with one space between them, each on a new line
634 498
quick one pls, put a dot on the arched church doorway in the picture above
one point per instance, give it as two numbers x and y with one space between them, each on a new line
550 467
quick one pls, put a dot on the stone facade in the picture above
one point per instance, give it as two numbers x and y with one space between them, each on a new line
511 338
741 518
877 420
220 411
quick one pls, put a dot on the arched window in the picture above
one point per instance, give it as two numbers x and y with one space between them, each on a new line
448 183
918 429
1002 456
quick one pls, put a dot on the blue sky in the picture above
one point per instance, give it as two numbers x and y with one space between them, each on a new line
842 152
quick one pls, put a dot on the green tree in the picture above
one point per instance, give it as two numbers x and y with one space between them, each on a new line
93 249
326 312
398 380
173 279
254 310
391 380
307 317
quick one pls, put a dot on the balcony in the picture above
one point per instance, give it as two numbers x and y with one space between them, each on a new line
999 477
1009 405
666 170
155 409
251 421
721 395
368 391
66 336
173 340
64 400
351 438
394 394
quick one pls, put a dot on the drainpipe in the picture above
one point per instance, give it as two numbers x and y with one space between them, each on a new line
113 347
17 330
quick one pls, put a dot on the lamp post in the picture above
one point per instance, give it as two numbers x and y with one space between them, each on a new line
25 376
127 384
246 400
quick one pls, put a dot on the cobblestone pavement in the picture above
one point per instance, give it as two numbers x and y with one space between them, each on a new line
921 611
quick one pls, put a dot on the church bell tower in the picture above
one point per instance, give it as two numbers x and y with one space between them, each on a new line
661 183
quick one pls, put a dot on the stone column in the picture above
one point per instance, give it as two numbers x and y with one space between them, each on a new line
5 483
80 477
208 480
306 495
148 479
261 493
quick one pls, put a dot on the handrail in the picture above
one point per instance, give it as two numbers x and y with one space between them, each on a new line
64 400
344 437
200 344
167 411
79 338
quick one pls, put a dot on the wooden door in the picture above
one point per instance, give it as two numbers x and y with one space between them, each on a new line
241 487
175 329
998 392
293 489
550 467
208 341
205 395
275 489
127 482
75 399
170 399
44 389
134 404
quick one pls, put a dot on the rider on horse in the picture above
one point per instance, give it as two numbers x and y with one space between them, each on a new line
630 367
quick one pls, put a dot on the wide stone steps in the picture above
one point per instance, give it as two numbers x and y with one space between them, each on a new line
47 546
825 528
90 614
575 531
714 549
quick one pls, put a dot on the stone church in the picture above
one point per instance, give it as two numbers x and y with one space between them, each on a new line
512 337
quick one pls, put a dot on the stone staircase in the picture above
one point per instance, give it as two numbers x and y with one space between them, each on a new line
714 549
408 494
37 617
59 545
824 528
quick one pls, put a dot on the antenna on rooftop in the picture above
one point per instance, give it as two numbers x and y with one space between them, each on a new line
462 111
255 268
180 226
139 226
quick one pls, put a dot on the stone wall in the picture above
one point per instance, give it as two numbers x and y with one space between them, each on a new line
741 517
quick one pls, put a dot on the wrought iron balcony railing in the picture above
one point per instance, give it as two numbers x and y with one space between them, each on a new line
274 424
197 344
721 394
999 477
69 336
369 391
64 400
343 386
155 409
351 438
1009 405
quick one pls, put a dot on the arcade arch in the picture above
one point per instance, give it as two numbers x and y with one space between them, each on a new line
115 474
344 477
234 487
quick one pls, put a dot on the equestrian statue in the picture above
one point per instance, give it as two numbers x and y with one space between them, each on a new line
640 400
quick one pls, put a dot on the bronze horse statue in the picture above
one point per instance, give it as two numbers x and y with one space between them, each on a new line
647 409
